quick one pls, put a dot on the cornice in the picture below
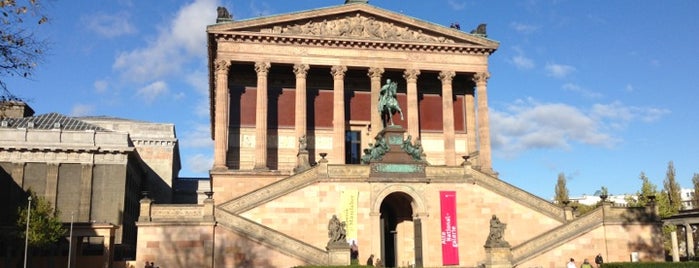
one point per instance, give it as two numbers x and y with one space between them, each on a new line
347 43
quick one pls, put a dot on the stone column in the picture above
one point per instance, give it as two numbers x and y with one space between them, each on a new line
448 117
262 69
221 112
84 208
301 70
51 182
675 247
471 134
376 124
413 111
690 240
338 154
481 80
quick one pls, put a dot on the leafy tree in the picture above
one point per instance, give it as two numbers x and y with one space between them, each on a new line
642 196
20 49
561 190
672 189
695 197
44 226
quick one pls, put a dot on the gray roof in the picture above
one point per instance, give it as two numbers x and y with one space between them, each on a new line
50 121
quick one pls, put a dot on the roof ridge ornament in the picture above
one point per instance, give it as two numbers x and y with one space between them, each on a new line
356 1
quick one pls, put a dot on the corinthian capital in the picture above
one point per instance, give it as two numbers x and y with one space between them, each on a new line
446 76
262 67
411 74
375 72
301 70
481 78
222 65
338 71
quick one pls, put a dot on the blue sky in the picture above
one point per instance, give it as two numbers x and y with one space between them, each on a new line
597 90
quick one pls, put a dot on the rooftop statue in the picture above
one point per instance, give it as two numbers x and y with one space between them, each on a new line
388 103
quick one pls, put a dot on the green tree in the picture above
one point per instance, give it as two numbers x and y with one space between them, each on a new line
695 197
44 226
561 189
20 49
672 190
642 196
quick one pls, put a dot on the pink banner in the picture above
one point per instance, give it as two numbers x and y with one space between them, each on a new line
450 245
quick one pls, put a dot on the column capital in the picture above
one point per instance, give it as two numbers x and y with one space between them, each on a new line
411 75
446 76
481 77
301 70
375 72
338 71
262 67
222 65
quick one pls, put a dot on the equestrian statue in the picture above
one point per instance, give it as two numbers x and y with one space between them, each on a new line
388 103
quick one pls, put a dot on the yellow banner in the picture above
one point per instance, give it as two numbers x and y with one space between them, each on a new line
348 212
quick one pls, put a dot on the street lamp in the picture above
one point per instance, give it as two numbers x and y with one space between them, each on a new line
26 233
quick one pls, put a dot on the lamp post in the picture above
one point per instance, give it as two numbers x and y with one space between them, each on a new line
26 233
70 240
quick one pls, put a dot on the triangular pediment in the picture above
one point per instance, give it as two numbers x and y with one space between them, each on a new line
355 22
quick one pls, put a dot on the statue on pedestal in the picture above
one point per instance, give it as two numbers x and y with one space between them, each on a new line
495 237
388 103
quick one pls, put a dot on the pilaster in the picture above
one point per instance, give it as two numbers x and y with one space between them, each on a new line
413 111
51 182
262 69
85 193
484 154
448 117
300 70
221 112
338 153
375 75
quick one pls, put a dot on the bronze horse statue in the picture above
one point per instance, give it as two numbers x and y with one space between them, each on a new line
388 103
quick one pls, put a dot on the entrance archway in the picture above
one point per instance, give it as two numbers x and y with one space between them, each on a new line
400 233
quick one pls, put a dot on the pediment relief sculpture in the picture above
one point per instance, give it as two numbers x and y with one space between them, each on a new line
357 26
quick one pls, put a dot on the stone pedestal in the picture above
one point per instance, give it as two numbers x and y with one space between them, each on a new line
339 254
498 257
302 162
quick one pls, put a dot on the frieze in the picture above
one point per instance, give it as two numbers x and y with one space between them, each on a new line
282 242
347 171
164 213
357 26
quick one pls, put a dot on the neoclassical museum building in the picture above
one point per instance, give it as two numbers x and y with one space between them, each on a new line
313 153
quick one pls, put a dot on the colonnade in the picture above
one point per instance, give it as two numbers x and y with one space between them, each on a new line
481 124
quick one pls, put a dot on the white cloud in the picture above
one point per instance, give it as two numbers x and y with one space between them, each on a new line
199 80
559 70
198 136
109 25
183 39
456 5
523 28
521 61
580 90
82 110
152 91
200 163
527 125
101 86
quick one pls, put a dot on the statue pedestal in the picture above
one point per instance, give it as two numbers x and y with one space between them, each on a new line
302 162
339 254
498 257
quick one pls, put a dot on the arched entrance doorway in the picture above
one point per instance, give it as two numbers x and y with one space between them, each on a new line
401 237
